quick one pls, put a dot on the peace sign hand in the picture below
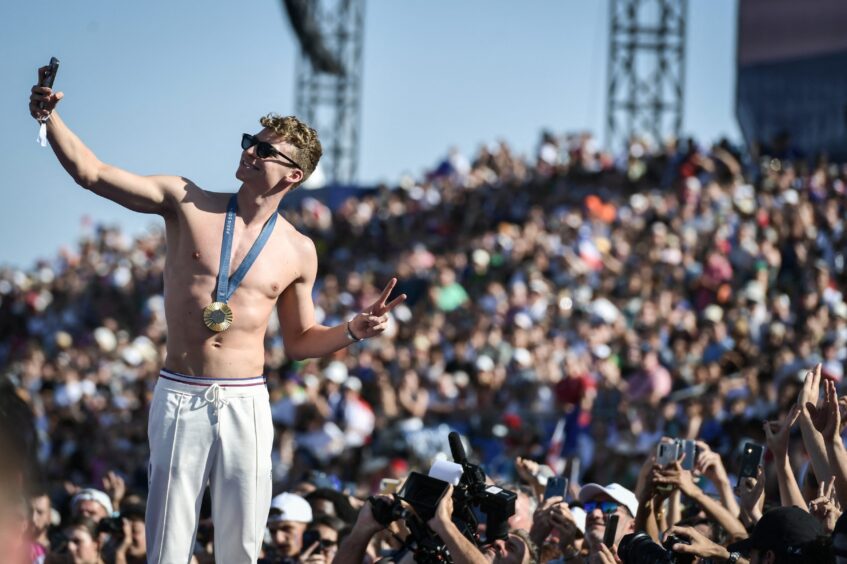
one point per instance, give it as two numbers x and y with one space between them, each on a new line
374 320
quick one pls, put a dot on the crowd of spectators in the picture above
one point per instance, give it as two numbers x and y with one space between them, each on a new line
571 309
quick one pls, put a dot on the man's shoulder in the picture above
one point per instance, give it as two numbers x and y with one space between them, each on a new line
302 244
193 198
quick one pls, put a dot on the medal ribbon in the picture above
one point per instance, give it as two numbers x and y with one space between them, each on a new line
227 285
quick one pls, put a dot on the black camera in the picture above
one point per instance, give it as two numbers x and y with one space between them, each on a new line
424 493
639 548
496 503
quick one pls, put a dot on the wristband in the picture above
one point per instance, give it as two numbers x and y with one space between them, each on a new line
350 336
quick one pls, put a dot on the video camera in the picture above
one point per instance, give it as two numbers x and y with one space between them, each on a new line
639 548
470 494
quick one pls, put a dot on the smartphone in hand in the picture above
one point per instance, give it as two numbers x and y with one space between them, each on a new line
611 531
689 448
667 453
751 459
50 75
556 486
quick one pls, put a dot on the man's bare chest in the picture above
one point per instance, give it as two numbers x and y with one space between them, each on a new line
198 258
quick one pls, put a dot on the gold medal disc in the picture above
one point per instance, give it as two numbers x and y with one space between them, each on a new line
217 316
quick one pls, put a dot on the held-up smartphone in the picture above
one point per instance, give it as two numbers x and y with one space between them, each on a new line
50 75
556 486
611 531
689 448
667 453
388 486
310 538
751 459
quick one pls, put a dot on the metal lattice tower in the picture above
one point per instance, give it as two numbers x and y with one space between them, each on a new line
646 73
331 102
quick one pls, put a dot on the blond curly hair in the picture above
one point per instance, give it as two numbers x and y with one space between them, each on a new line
304 139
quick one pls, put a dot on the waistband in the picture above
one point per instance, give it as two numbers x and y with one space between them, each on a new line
203 381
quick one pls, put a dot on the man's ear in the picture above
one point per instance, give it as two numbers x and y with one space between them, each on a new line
295 176
768 558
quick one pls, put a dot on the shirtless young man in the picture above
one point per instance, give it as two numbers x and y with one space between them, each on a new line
210 419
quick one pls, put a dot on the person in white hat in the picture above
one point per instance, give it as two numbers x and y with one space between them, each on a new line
288 518
92 504
600 503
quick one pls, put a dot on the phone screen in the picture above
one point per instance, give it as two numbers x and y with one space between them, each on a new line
556 486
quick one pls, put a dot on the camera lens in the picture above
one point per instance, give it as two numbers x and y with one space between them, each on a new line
639 548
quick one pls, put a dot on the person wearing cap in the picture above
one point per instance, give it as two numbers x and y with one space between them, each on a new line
289 516
599 503
785 535
91 503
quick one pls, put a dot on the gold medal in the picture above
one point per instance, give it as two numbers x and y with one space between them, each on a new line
217 316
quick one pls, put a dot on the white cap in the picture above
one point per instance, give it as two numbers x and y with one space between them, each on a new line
91 494
336 372
614 491
352 383
290 507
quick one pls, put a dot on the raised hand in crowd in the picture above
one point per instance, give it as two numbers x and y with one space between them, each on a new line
826 417
530 472
680 479
751 494
355 545
825 508
812 439
777 434
554 515
825 414
115 487
710 465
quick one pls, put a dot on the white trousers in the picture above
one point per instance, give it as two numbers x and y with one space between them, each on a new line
215 431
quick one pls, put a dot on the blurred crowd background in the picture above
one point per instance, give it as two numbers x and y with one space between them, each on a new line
572 308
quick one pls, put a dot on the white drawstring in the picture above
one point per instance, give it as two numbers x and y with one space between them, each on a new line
215 396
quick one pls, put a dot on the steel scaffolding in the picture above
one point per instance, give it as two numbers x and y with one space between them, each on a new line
646 70
331 103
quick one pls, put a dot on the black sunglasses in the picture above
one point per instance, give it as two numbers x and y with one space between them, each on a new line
264 149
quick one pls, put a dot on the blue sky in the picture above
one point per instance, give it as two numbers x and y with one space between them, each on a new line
169 86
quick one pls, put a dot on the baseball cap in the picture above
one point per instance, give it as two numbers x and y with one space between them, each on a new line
614 491
290 507
91 494
785 530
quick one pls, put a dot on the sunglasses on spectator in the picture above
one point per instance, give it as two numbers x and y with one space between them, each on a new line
264 149
605 506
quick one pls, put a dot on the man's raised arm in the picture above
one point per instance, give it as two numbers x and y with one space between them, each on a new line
146 194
